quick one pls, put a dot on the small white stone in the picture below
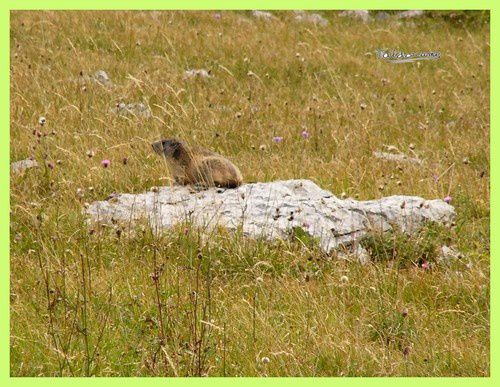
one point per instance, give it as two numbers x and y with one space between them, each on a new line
397 157
137 109
361 14
263 15
313 18
409 14
22 165
197 73
448 255
101 76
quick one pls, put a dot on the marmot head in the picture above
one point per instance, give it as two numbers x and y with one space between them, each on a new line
169 147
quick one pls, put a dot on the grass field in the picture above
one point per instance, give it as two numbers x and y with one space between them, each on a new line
100 302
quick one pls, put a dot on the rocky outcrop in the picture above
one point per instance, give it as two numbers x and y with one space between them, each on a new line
273 210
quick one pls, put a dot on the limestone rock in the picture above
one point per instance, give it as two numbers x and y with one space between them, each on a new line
360 14
197 73
137 109
381 16
263 15
273 210
314 18
22 165
409 14
397 157
449 254
102 77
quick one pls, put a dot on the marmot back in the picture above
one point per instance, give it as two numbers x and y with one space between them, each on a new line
195 165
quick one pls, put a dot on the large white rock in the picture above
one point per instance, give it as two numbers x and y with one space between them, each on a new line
273 210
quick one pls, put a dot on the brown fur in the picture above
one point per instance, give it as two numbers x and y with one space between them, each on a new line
198 166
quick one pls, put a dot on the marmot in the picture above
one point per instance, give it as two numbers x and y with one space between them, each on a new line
197 166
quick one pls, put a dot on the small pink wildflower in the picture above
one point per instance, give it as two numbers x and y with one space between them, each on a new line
426 265
277 139
105 163
217 16
305 134
447 199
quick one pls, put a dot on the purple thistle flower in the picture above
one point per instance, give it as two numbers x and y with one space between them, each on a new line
447 199
217 16
305 134
277 139
105 163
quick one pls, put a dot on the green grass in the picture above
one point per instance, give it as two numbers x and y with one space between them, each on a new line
405 250
109 302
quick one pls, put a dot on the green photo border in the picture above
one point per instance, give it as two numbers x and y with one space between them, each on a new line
7 6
